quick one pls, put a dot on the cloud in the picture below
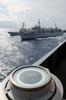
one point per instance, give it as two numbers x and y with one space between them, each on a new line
2 9
10 1
30 11
6 18
20 20
46 19
8 24
2 5
18 8
26 9
9 18
14 8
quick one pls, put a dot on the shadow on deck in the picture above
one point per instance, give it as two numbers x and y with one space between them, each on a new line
55 61
61 74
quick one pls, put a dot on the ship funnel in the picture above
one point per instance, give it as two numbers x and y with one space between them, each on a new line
31 83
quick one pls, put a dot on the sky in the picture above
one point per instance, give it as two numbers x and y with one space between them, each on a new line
50 12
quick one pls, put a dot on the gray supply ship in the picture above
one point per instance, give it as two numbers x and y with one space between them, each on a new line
37 32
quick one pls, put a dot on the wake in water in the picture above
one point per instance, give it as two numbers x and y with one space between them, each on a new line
15 53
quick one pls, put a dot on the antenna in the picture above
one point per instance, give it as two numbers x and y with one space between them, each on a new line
23 25
55 24
39 22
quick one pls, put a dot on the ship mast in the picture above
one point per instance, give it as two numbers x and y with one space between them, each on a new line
55 25
23 25
39 22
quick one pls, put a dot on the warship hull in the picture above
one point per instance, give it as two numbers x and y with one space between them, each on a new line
25 36
13 33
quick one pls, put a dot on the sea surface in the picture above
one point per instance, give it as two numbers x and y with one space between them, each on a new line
15 53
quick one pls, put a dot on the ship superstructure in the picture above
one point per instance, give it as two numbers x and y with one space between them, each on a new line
38 32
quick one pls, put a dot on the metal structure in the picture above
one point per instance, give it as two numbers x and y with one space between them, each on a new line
31 83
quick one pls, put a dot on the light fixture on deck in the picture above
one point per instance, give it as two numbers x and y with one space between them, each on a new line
31 83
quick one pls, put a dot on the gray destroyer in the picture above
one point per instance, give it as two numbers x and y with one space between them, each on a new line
38 32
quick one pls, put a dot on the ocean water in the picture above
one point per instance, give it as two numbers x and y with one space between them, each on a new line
15 53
